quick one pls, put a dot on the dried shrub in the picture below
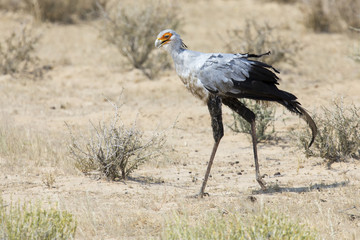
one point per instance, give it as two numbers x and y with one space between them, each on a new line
17 53
132 29
256 39
63 11
330 15
11 5
114 149
49 180
349 11
32 221
356 52
338 133
265 119
322 16
283 1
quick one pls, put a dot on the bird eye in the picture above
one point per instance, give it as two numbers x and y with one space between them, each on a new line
167 36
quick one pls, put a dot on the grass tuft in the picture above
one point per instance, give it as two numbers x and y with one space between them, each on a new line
265 225
32 221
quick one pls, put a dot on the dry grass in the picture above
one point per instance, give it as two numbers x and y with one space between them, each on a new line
133 28
258 38
26 150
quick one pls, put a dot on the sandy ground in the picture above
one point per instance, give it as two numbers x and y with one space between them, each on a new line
87 71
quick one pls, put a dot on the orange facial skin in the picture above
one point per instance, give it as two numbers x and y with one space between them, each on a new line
165 38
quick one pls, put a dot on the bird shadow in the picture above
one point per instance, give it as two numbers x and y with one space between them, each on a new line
313 187
138 179
145 180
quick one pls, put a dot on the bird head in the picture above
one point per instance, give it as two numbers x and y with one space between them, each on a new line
169 39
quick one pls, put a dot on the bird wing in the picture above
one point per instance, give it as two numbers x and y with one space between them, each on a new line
235 74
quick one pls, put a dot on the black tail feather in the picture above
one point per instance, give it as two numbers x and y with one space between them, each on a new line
258 89
294 106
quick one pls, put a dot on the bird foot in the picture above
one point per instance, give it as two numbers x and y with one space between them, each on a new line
262 183
200 195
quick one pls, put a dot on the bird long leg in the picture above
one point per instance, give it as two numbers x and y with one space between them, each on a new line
214 105
202 190
257 169
249 116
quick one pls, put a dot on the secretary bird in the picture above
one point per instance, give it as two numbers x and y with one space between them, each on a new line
219 78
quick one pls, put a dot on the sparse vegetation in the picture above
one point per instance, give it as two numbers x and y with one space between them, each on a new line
331 16
338 133
33 221
132 29
17 53
34 145
257 39
114 149
264 225
265 117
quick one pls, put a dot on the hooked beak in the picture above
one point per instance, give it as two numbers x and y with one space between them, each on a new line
159 43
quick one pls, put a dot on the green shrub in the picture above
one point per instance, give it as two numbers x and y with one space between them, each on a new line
265 118
265 225
338 133
132 28
114 149
256 39
29 221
